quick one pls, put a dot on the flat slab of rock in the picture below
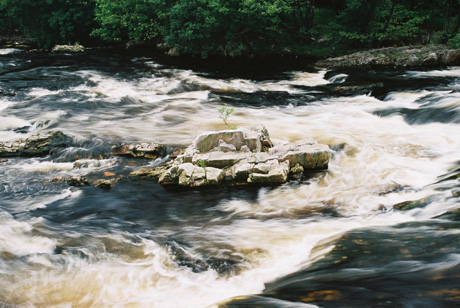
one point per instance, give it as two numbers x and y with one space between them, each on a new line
404 57
36 145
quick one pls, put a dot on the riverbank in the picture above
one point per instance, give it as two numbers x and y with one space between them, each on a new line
423 56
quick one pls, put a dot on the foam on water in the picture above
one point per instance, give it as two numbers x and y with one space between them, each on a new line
16 238
8 51
449 72
380 161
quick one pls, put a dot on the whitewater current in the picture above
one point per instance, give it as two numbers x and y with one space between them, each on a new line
394 136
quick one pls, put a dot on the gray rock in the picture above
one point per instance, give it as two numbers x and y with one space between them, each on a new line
422 56
314 156
430 59
174 52
146 150
265 167
278 175
169 176
185 172
105 183
68 48
409 205
241 170
77 181
40 144
195 176
214 176
219 159
226 147
240 157
210 141
254 139
147 172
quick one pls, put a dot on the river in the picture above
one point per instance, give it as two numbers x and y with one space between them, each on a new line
333 240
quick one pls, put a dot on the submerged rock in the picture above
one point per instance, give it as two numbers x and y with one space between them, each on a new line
105 183
40 144
77 181
409 205
235 157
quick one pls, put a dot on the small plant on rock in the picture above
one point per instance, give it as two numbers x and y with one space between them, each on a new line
224 114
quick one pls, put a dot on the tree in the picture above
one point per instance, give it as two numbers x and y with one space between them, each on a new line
124 20
52 22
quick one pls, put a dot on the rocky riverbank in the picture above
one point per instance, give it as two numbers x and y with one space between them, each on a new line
396 57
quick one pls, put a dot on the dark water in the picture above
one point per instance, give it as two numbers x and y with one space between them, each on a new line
333 240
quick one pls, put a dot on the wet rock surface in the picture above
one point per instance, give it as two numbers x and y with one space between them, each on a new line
413 204
146 150
399 57
40 144
239 157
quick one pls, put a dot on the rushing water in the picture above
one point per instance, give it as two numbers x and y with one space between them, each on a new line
333 240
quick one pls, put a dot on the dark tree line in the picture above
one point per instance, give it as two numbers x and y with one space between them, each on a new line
237 27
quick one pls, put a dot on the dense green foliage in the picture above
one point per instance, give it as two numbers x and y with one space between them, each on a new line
51 21
237 27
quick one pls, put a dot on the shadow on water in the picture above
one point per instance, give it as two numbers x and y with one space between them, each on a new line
143 204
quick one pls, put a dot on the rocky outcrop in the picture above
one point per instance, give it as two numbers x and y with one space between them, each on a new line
40 144
402 57
146 150
240 157
68 48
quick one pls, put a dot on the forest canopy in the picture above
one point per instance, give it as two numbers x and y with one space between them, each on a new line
236 27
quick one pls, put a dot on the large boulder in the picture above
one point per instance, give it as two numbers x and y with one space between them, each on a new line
244 156
252 139
40 144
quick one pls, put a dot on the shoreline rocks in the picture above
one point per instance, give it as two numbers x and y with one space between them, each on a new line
239 157
68 48
396 57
